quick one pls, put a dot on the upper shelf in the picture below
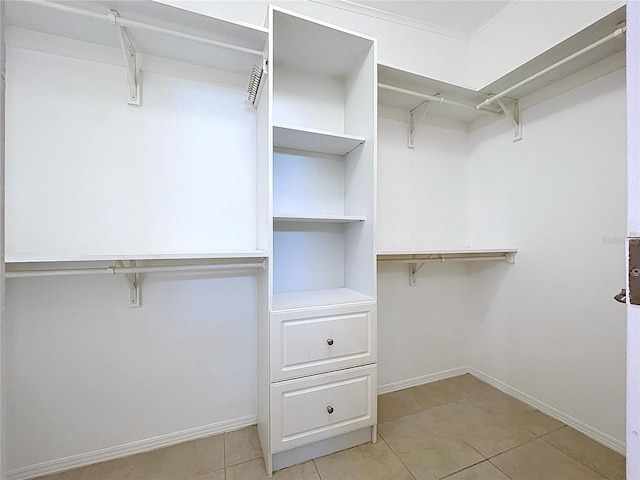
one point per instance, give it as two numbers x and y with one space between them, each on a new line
220 254
62 19
318 141
444 254
318 218
527 74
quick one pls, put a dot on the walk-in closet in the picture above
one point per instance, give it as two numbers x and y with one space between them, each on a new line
393 201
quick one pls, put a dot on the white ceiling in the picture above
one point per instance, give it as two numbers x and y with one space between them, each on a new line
465 16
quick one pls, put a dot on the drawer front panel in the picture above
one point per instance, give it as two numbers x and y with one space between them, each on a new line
305 343
319 407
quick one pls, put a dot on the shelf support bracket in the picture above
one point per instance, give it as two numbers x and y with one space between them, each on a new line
416 115
133 282
133 74
413 269
514 117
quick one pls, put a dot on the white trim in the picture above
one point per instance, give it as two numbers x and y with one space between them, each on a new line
417 381
394 18
486 24
589 431
141 446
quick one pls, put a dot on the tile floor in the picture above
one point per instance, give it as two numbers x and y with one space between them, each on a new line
458 429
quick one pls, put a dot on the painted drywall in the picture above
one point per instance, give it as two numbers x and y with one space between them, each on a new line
102 177
88 373
422 50
548 325
525 30
422 203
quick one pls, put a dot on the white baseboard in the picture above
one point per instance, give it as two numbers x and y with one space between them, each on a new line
600 437
591 432
414 382
155 443
75 461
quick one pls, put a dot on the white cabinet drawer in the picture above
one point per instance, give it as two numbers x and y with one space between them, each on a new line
314 408
305 342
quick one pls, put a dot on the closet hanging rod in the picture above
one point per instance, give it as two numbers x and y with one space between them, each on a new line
123 22
130 270
437 99
616 34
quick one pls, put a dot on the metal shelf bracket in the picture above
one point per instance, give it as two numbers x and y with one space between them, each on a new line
133 73
514 117
133 281
413 269
416 115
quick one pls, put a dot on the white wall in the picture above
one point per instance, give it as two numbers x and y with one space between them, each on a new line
421 50
422 203
548 325
87 373
525 30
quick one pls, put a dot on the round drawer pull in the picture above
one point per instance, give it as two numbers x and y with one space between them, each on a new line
330 409
329 341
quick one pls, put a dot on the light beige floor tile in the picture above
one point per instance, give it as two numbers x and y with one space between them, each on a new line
365 462
482 471
538 460
608 463
494 402
182 461
491 438
468 383
119 469
535 421
254 470
217 475
242 445
428 453
395 405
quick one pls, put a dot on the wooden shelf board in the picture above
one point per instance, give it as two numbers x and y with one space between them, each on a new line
318 141
318 218
311 298
447 251
221 254
39 18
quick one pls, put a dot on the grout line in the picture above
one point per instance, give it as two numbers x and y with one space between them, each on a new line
575 458
505 473
465 468
380 438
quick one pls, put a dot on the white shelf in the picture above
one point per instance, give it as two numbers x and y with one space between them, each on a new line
318 141
446 251
222 254
312 298
40 18
318 218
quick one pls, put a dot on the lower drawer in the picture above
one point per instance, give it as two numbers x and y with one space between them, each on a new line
314 408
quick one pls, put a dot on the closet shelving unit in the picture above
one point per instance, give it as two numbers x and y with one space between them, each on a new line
317 332
135 35
600 43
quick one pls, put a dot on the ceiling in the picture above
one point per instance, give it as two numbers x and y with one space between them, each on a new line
466 16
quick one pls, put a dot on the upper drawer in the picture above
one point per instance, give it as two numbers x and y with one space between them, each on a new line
306 342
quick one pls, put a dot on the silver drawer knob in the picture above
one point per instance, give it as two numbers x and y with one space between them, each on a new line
330 409
329 341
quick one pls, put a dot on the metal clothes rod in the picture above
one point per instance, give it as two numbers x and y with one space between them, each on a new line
433 98
617 33
123 22
129 270
445 259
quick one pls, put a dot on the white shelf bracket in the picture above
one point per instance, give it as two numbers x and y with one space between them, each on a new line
413 269
133 74
133 281
514 117
416 115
